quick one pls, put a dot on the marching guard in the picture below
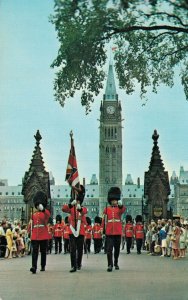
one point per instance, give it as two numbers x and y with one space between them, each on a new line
58 233
129 233
77 220
97 234
113 226
88 236
66 231
39 230
139 233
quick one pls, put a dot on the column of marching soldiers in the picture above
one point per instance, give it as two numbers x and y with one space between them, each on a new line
76 233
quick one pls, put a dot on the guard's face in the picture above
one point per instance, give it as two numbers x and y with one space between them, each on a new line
114 202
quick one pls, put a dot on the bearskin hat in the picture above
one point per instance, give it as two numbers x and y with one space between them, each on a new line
138 218
88 220
114 193
128 218
58 218
40 198
81 194
50 221
98 220
66 220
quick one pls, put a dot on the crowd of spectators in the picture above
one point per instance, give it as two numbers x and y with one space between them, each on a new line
14 240
163 238
167 238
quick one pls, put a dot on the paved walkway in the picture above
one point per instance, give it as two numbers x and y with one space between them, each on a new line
141 277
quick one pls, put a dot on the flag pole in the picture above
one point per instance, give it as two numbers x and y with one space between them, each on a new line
73 192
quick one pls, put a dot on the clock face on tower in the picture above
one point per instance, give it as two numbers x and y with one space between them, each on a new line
110 109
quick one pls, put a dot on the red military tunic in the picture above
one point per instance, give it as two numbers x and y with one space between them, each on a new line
139 231
39 225
129 230
97 231
88 232
58 230
75 214
113 221
50 231
66 231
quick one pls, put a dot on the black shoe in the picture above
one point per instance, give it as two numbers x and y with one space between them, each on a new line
109 269
138 252
73 270
79 268
42 269
116 267
55 252
33 270
128 252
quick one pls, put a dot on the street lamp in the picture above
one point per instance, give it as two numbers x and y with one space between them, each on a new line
22 215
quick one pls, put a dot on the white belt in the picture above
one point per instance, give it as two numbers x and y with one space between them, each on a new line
40 225
114 220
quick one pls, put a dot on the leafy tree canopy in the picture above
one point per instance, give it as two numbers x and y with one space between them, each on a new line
151 37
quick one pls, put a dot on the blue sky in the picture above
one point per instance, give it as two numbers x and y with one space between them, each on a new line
28 45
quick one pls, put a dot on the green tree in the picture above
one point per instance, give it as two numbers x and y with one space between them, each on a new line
151 39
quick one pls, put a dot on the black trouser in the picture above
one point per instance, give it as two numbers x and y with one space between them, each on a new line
36 245
87 245
58 244
138 245
66 246
3 243
76 250
49 246
128 243
113 241
97 245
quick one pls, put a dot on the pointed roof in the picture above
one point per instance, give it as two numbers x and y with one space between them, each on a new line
36 175
156 168
156 161
129 180
110 92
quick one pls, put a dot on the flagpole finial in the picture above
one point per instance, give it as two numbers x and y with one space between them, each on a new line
71 134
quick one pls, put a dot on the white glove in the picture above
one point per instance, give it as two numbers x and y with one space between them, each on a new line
78 206
120 202
73 202
41 207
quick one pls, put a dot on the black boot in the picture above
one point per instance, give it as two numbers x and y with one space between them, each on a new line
109 269
33 270
73 270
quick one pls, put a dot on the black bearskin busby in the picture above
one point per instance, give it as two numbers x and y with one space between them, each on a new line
66 220
98 220
88 220
81 194
40 198
58 218
128 218
138 218
114 193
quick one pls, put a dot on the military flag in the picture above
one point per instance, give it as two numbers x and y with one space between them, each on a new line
72 176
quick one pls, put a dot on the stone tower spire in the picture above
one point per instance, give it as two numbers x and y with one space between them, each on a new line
110 92
36 178
156 184
110 145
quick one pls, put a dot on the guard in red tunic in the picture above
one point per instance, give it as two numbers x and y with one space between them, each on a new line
77 221
88 236
50 238
66 232
113 227
97 234
39 230
58 233
129 233
139 233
